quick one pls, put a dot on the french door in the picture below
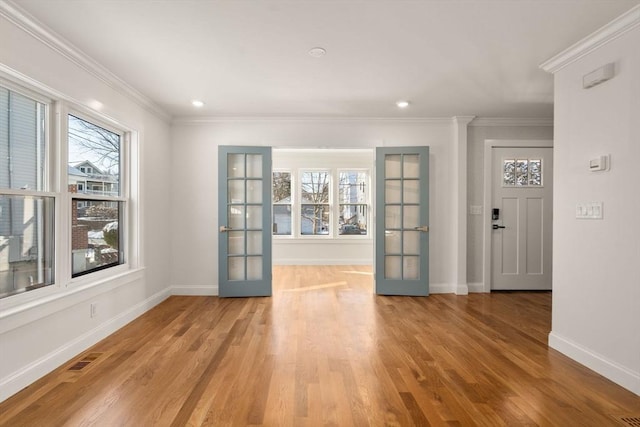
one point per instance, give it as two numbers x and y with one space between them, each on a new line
402 219
244 212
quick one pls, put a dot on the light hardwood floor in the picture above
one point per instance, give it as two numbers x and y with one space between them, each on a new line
324 350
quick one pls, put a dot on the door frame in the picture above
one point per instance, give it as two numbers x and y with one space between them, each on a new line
489 144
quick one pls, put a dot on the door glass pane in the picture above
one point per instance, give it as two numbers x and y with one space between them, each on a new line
392 166
236 243
411 242
235 165
392 191
410 191
254 217
411 217
411 166
254 268
254 191
254 242
236 268
392 216
236 217
392 267
236 191
392 242
254 165
410 267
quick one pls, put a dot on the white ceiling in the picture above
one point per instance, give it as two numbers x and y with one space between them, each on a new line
249 58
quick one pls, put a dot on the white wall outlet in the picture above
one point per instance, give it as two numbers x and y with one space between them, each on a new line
94 309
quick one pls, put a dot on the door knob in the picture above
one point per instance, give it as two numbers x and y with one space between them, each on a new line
224 228
496 226
424 228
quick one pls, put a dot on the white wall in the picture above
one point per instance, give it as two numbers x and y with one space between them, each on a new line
596 279
37 337
195 187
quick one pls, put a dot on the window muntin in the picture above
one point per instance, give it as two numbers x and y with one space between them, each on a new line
27 210
353 188
315 213
522 173
282 201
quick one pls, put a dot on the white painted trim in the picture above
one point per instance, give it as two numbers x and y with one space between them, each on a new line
311 119
476 287
512 121
460 142
23 20
488 196
16 381
442 288
595 40
620 375
194 290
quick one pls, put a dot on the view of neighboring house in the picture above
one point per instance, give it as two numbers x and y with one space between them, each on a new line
90 179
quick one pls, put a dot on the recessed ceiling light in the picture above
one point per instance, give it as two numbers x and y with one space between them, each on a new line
317 52
402 104
197 103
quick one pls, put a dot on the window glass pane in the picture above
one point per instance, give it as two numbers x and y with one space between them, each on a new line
254 165
411 166
352 219
315 187
535 172
314 219
282 220
353 187
26 243
235 165
95 235
392 165
282 187
522 172
22 141
94 158
509 172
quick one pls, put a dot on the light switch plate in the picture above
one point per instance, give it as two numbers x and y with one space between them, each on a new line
591 210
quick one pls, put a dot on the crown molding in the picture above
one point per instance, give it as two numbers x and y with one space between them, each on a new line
597 39
512 121
40 32
196 120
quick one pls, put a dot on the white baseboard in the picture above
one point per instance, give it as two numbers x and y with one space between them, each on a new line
596 362
461 289
476 287
441 288
16 381
194 290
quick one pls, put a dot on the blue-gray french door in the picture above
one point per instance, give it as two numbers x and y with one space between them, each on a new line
244 212
402 221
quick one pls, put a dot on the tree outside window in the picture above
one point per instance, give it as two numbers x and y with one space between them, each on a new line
315 212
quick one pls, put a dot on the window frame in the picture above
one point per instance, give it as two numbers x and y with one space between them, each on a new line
57 107
329 204
367 204
292 203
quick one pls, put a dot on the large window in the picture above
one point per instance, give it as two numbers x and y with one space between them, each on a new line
26 207
352 198
314 210
77 206
282 203
329 203
96 205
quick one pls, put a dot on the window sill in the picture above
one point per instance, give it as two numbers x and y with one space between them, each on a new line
28 307
346 240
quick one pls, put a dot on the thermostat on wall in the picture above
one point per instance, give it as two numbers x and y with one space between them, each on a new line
599 164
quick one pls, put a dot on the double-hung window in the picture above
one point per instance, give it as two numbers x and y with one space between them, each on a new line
282 203
26 201
63 193
97 198
315 212
352 202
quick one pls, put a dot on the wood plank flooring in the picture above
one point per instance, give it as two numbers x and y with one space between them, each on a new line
325 351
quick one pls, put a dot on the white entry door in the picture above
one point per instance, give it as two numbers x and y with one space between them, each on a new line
521 217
